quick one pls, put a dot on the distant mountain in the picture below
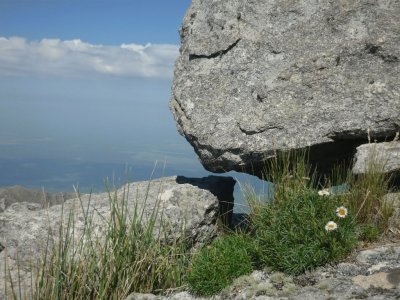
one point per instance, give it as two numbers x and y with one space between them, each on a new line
16 194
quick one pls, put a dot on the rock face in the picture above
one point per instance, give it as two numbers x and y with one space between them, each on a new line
258 76
194 203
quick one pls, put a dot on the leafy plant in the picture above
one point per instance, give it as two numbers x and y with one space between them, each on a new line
217 265
294 235
297 228
369 232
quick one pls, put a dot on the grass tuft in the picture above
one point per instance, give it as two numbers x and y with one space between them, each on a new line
128 258
216 266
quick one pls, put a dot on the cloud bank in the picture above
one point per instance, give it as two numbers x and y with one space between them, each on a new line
77 58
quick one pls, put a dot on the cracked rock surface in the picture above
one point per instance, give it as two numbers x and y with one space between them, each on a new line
257 76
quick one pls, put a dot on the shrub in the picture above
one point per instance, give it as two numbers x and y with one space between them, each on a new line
217 265
291 235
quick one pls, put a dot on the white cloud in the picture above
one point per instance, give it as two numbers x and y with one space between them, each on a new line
77 58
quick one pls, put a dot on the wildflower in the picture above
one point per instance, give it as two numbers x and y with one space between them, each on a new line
341 212
330 226
324 192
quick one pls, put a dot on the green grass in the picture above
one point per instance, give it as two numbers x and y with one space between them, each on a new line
216 266
369 232
366 197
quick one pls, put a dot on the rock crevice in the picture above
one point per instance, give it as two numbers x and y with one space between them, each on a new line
219 53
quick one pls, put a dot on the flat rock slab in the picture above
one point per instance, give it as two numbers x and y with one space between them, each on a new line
383 280
258 76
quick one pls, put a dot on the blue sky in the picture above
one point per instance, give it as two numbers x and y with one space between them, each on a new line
109 22
89 81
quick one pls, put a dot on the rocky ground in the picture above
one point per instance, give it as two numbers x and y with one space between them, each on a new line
370 273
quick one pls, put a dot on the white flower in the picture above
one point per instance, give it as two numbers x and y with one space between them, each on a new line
330 226
324 192
341 212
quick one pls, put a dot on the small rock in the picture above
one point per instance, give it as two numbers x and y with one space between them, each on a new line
349 269
374 256
378 267
385 155
394 277
138 296
377 280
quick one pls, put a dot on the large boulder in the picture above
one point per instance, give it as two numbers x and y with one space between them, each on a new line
187 206
254 77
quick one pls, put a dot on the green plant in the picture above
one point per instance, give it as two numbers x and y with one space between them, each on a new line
365 194
294 235
217 265
289 226
369 232
366 197
289 172
289 229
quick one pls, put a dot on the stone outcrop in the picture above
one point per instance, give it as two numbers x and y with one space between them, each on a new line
258 76
385 156
189 206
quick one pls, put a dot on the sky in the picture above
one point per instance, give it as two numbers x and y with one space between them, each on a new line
89 81
85 85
